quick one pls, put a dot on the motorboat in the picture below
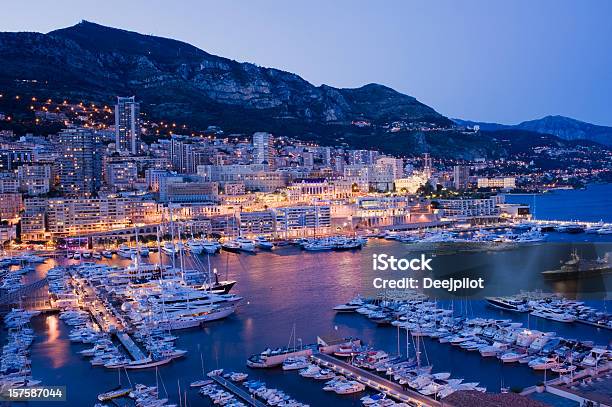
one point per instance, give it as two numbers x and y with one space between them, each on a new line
261 242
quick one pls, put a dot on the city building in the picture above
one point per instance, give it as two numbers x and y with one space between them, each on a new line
174 188
262 148
461 176
307 220
473 210
363 157
79 216
257 223
127 125
80 162
11 205
35 179
497 182
120 175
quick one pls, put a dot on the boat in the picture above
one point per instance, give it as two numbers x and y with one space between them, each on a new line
350 306
126 252
231 246
107 253
261 242
201 383
245 245
510 357
578 267
595 357
543 363
295 363
552 314
508 304
113 394
350 387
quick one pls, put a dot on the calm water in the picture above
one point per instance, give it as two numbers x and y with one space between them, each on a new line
289 287
591 204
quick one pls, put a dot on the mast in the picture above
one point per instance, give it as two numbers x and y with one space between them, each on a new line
172 236
159 258
180 248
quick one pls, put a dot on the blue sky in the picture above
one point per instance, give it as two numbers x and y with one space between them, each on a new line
503 61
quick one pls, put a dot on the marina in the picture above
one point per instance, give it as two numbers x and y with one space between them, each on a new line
110 293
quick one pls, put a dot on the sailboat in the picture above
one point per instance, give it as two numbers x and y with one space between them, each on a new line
204 381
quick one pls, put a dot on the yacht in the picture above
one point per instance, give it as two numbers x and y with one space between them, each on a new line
193 317
318 245
350 387
526 337
263 243
537 345
510 357
552 314
170 248
126 252
493 350
508 304
194 246
543 363
231 246
595 357
295 363
350 306
245 245
210 246
530 237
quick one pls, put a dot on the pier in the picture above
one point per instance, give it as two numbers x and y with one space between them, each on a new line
130 345
391 389
31 297
231 387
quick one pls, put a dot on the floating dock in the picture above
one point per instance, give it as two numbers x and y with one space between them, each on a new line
130 346
391 389
238 391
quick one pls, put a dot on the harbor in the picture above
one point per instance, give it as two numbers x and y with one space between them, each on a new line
107 303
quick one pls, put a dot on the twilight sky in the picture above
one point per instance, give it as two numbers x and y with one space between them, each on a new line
503 61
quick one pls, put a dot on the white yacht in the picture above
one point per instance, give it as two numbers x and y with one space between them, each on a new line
552 314
126 252
262 242
245 245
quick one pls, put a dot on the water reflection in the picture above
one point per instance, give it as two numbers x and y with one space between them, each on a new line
56 349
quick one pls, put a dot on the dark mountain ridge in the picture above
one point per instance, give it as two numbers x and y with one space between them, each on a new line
178 82
563 127
177 78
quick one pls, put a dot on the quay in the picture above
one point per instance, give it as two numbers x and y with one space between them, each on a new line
130 345
391 389
231 387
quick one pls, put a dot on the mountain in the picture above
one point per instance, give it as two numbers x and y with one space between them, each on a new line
175 79
178 82
563 127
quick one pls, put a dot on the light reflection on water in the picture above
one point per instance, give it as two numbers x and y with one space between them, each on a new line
58 350
287 287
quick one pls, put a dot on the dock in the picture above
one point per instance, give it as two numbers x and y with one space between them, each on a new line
130 345
391 389
238 391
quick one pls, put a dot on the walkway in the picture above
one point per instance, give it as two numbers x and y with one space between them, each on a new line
130 346
374 381
246 397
